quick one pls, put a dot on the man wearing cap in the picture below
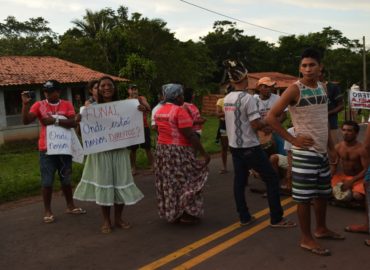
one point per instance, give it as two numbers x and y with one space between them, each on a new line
265 100
242 119
49 111
133 93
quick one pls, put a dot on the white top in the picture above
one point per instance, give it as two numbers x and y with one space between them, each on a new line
154 110
265 105
288 145
240 109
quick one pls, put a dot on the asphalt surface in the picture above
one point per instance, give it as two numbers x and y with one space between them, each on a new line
75 242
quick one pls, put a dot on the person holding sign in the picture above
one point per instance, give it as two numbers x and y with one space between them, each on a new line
107 178
180 177
47 111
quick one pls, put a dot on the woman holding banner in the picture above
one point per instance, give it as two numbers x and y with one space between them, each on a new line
180 177
107 178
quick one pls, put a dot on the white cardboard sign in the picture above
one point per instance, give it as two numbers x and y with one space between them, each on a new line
359 99
112 125
63 141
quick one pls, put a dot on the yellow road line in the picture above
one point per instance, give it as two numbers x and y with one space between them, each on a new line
185 250
227 244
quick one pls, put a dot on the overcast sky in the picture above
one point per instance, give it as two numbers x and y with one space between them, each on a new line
189 22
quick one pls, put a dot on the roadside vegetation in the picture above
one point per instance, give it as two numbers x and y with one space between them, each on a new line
19 165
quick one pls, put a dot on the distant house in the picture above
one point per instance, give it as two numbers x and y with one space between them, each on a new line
21 73
282 82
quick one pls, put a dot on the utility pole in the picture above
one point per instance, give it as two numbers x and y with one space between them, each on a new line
364 63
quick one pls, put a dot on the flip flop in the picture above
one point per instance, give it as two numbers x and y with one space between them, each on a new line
76 211
330 236
285 223
317 251
105 229
124 225
356 229
367 242
48 219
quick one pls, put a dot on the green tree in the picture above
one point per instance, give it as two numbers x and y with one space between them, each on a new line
140 70
32 37
226 41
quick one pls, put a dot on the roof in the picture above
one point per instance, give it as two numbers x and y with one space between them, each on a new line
26 70
282 80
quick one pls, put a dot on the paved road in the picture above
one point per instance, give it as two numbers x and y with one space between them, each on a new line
74 242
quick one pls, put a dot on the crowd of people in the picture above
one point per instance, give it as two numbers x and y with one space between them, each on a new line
308 160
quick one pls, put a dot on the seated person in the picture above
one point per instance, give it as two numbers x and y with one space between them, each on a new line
353 158
283 165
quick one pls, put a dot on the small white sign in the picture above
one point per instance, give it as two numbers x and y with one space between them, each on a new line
63 141
359 99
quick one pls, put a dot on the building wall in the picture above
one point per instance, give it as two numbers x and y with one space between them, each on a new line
17 133
209 104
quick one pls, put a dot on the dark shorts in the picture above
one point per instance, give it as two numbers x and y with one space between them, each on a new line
49 164
146 145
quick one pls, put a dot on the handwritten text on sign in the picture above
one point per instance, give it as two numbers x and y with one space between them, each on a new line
63 141
111 125
359 99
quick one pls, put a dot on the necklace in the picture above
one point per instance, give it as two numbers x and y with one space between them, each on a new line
53 108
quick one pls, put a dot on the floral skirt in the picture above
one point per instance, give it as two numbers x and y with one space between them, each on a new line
180 179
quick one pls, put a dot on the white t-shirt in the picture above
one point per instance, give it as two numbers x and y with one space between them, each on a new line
265 105
240 109
155 109
288 145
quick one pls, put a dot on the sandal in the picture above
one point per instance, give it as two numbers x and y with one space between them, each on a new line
317 251
48 219
76 211
357 228
367 242
123 225
329 236
284 223
105 229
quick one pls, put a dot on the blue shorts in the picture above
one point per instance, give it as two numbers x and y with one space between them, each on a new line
49 164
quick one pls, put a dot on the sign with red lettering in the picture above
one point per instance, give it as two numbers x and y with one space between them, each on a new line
111 125
359 99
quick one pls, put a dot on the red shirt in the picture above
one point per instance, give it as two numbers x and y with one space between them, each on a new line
195 115
44 109
169 119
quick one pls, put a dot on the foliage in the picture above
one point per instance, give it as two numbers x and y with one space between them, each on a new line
32 37
19 165
145 51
